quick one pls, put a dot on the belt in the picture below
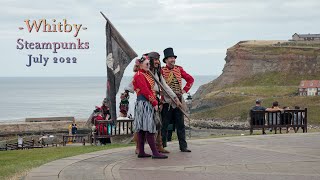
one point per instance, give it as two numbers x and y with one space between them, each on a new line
141 98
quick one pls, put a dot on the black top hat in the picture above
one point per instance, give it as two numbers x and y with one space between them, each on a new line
168 53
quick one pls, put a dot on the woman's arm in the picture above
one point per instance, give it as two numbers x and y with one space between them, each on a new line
141 87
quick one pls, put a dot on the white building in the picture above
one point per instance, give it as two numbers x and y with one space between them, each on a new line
305 37
309 88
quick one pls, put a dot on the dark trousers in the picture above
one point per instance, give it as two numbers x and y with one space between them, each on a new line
169 138
170 114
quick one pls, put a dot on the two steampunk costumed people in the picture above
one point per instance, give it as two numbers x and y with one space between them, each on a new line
155 72
170 112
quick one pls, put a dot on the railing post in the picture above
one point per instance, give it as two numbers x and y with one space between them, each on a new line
127 127
123 127
251 128
305 129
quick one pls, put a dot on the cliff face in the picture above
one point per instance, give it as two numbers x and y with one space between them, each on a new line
248 58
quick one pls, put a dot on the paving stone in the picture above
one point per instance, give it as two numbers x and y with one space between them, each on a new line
276 157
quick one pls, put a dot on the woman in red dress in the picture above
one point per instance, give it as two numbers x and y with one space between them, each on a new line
145 108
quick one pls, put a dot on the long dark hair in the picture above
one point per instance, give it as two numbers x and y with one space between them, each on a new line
155 70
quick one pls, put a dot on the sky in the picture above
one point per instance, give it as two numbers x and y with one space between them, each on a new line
199 31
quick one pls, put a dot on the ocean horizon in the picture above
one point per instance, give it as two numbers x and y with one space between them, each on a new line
34 97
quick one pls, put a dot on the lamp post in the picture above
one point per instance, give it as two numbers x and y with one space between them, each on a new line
189 104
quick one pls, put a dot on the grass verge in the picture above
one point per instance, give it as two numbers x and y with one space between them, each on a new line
16 163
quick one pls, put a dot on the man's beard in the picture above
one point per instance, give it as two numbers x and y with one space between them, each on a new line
172 63
155 69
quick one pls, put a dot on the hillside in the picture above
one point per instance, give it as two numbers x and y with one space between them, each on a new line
267 70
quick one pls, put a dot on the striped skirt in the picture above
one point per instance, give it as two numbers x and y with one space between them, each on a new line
143 117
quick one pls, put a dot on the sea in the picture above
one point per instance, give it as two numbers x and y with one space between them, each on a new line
34 97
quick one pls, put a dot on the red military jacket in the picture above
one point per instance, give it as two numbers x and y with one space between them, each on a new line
179 73
143 85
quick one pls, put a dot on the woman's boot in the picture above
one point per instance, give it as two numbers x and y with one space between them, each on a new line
141 139
152 144
159 143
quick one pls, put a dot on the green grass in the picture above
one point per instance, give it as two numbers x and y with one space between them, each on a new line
275 79
17 162
301 44
307 50
234 94
238 110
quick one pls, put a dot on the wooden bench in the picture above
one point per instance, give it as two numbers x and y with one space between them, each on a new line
279 119
78 138
121 128
26 144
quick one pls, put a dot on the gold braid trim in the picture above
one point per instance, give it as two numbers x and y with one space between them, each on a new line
150 81
168 75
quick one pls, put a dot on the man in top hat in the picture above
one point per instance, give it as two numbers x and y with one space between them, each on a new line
173 76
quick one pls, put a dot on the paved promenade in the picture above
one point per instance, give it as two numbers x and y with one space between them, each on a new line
263 157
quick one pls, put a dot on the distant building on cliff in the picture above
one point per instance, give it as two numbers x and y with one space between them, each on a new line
309 88
305 37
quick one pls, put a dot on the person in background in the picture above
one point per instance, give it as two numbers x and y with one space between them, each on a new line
124 104
74 129
298 118
275 117
286 117
258 118
101 128
105 109
70 129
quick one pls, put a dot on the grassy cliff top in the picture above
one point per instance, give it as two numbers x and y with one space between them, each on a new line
279 47
275 79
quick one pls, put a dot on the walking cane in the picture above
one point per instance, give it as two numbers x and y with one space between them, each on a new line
157 81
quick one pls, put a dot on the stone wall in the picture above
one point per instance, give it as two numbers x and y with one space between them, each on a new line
36 127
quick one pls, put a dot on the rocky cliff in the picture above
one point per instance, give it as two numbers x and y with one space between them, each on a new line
248 58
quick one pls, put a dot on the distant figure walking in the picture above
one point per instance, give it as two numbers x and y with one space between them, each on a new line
74 129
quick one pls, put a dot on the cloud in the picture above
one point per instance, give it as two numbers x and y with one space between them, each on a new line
202 51
193 28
